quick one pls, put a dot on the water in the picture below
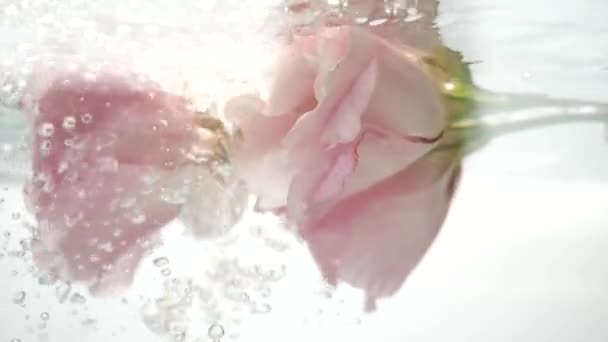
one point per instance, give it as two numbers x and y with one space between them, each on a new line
521 257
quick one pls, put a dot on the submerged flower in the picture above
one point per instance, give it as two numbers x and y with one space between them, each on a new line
347 144
112 158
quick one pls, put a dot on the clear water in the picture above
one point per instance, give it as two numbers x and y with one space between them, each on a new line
522 256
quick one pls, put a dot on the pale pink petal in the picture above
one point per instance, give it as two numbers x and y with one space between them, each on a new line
381 155
344 125
342 62
374 239
405 98
258 157
368 83
292 89
96 229
385 82
105 150
259 132
318 184
268 177
335 174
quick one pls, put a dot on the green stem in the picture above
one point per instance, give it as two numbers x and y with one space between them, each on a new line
505 113
516 112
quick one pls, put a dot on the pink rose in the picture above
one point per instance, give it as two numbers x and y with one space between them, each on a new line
107 150
346 144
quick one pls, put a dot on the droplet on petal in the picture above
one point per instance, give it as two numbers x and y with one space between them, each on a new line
69 123
46 129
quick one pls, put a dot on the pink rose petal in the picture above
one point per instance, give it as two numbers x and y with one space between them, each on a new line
104 152
374 239
361 173
390 104
291 90
257 157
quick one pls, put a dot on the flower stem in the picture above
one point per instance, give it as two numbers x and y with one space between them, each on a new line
517 112
499 114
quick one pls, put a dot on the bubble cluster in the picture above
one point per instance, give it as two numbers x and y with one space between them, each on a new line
235 285
182 304
304 15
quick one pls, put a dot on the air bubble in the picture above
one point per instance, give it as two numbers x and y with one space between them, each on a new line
166 272
48 278
94 258
68 142
45 147
46 129
215 331
127 202
45 316
25 244
106 247
88 322
69 122
62 292
161 262
63 167
86 118
19 297
77 298
138 217
72 220
180 336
